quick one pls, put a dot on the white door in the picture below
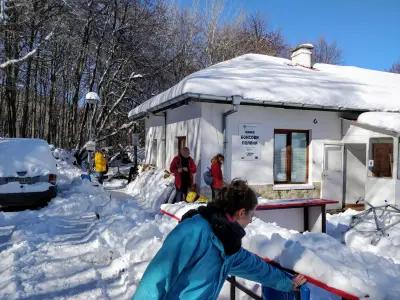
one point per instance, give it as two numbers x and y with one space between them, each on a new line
332 174
355 174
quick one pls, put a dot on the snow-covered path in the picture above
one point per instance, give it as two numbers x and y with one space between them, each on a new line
92 242
89 243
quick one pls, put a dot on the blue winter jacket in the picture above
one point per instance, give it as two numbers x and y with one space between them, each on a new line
191 265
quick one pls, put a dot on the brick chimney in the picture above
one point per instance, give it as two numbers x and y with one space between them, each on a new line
302 55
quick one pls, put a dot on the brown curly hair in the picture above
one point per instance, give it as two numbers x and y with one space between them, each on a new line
235 196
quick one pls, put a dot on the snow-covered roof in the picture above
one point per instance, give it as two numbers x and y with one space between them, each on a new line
384 120
268 79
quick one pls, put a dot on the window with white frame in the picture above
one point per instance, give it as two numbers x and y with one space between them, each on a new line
291 156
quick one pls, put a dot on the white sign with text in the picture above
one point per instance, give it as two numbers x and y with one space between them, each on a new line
249 141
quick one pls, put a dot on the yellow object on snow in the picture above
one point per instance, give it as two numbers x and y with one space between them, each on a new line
191 196
202 199
100 162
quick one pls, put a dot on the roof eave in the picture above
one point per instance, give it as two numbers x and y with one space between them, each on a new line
196 97
376 128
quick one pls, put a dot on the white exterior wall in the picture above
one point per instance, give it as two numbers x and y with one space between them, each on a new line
212 139
201 123
154 130
377 189
181 121
260 172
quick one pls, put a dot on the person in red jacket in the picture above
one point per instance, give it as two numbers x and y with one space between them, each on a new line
216 173
183 168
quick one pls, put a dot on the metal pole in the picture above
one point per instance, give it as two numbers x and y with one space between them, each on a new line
233 292
133 170
90 139
135 154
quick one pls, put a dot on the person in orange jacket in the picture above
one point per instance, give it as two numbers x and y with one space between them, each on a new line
216 174
183 168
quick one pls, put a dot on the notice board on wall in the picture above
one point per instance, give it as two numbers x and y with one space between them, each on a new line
249 141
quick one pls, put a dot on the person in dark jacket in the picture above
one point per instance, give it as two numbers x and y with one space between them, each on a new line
216 174
205 247
81 155
183 168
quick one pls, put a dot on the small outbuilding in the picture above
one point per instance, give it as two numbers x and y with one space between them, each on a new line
291 128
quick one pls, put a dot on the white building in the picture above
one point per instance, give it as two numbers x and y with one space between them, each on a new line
286 126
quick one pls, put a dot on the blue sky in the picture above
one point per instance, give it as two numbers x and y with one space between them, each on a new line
367 31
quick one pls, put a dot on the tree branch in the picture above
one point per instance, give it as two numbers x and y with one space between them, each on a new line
122 127
26 56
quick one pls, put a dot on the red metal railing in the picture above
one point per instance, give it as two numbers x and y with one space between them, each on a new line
343 294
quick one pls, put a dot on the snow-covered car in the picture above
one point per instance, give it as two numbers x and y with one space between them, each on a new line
28 172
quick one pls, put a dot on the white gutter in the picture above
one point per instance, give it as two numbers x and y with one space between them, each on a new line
236 100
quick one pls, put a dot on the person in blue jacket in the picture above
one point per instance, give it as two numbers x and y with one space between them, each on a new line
205 247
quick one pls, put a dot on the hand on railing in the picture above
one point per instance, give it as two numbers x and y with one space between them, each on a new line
298 281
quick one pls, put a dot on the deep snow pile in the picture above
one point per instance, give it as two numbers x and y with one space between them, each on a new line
90 243
87 244
326 259
364 236
152 188
63 155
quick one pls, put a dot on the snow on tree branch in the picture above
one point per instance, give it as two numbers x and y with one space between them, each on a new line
122 127
26 56
3 15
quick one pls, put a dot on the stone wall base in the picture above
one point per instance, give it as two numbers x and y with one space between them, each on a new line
267 191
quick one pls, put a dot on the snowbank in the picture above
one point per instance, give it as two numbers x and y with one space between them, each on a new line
90 243
179 209
364 237
326 259
86 244
64 155
152 188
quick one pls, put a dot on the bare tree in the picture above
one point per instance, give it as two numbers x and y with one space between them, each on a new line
125 50
395 68
327 53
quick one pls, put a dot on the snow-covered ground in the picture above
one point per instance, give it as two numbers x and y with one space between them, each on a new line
88 243
364 236
95 242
